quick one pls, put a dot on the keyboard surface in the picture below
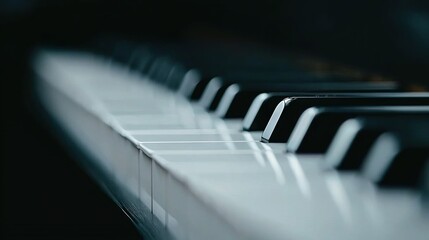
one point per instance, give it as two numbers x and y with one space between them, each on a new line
194 175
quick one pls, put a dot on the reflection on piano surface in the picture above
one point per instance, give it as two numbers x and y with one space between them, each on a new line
202 141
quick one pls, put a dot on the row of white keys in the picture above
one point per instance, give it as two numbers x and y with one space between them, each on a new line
286 198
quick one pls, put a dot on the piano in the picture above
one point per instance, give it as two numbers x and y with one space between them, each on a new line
203 139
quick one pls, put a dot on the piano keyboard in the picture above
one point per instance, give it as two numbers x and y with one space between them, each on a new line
293 155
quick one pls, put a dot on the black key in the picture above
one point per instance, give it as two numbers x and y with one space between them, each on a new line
355 137
397 157
153 69
316 127
263 105
193 84
288 111
141 60
237 98
159 70
217 86
175 77
351 144
195 81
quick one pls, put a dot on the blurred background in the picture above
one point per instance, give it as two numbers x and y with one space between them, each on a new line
45 195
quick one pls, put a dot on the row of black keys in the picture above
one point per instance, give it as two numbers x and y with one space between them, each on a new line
360 125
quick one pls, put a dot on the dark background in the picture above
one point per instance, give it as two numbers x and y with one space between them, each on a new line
45 195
